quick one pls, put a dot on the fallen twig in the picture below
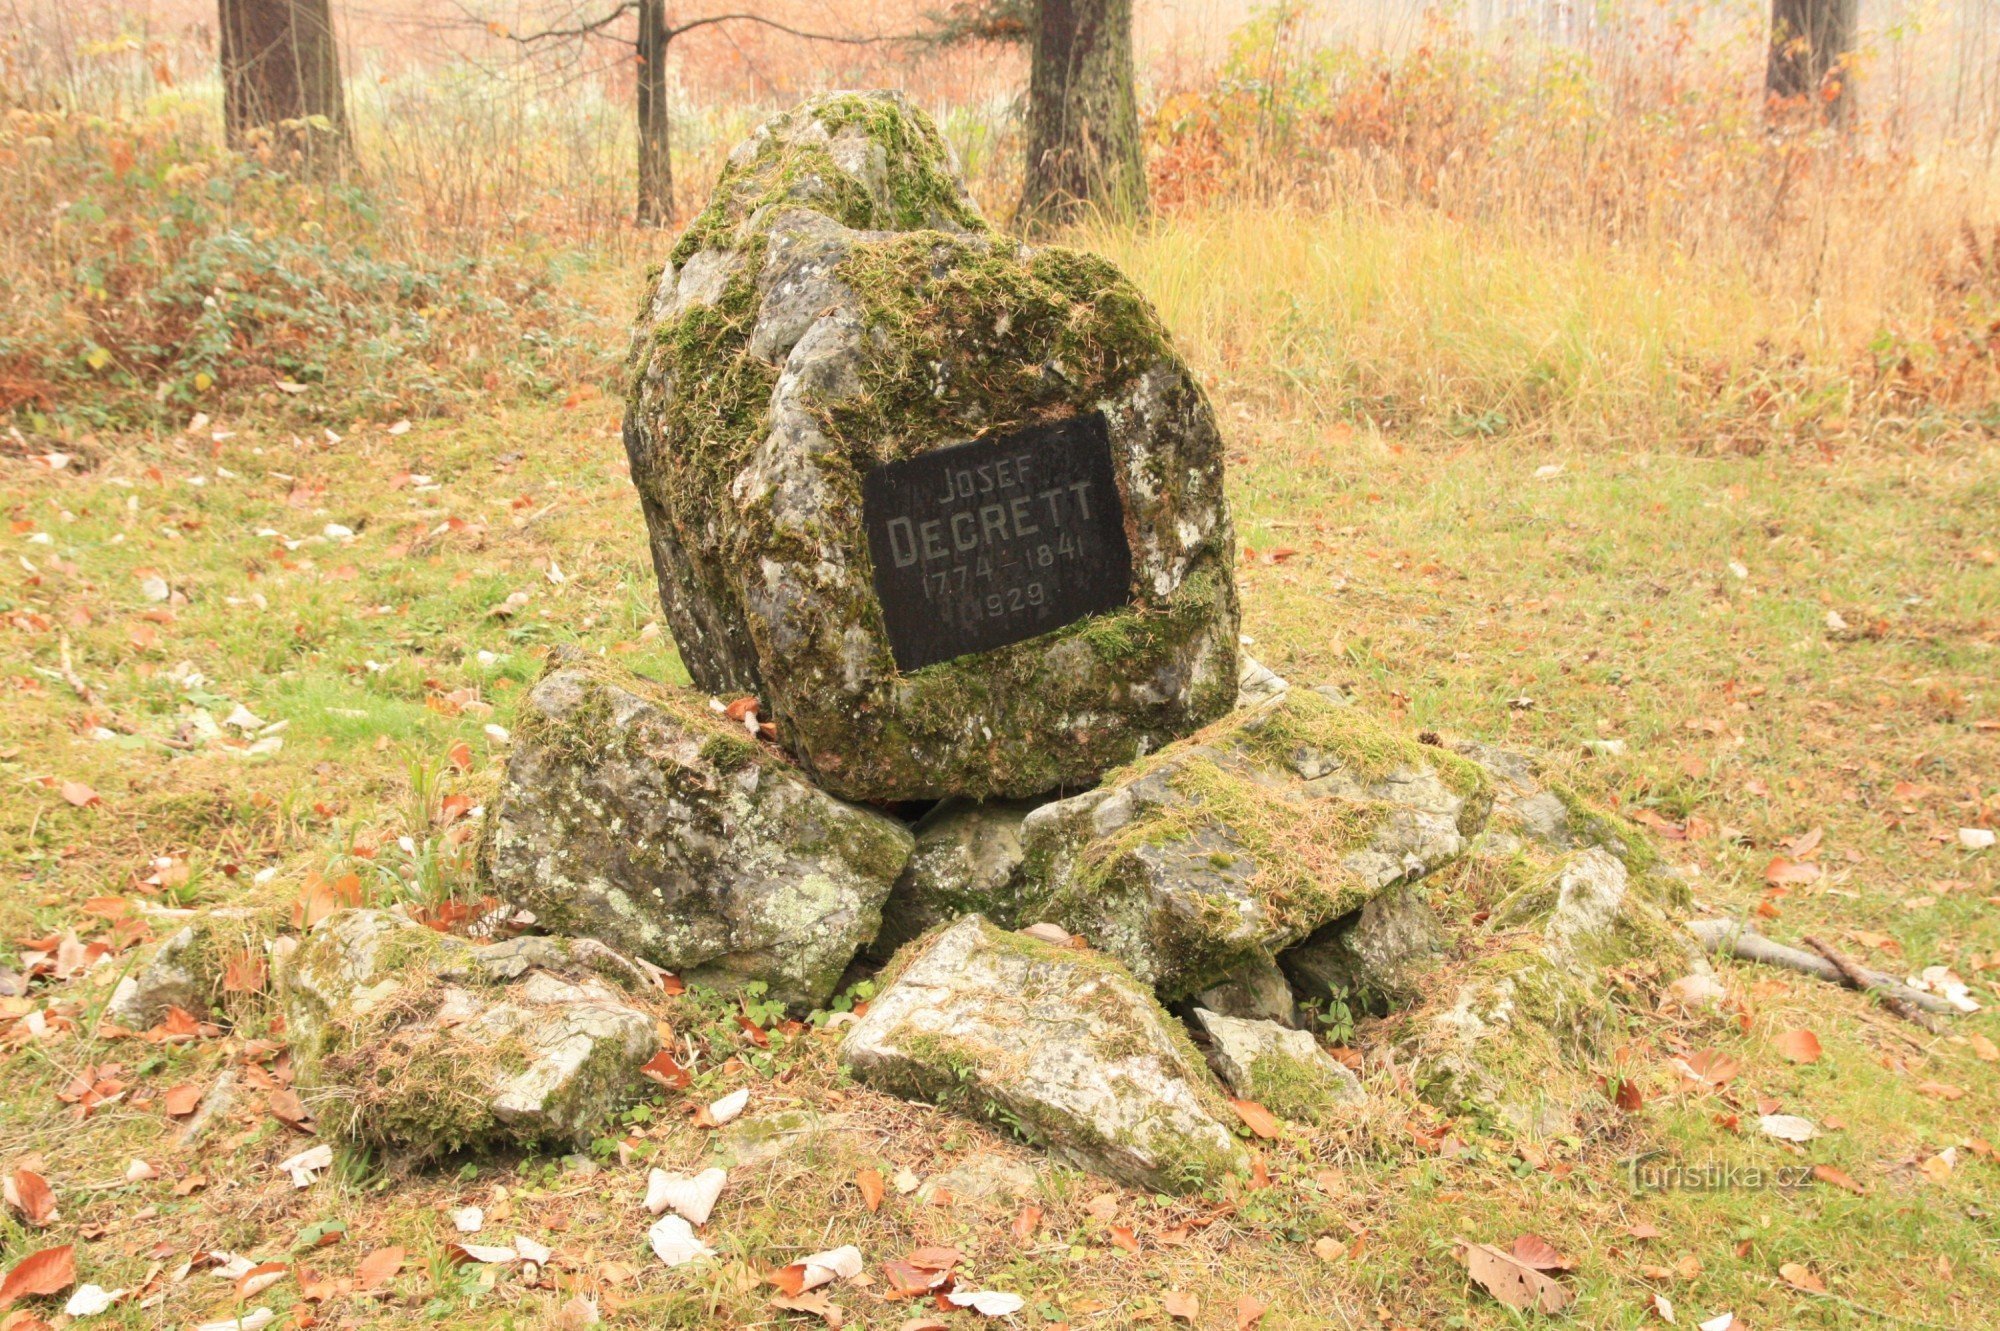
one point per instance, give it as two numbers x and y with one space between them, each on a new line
1856 978
70 677
1733 938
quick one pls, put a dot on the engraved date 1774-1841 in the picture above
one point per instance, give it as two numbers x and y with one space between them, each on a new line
990 542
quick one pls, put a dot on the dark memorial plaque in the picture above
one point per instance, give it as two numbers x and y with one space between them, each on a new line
982 544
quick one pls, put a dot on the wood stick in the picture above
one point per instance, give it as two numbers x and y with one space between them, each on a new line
1856 978
1731 938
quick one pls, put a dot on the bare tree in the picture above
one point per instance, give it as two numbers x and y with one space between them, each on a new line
651 33
281 74
1810 43
1084 150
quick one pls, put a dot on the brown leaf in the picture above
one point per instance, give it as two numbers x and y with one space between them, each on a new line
1984 1048
1025 1223
30 1194
1942 1090
1828 1174
1184 1306
182 1100
1711 1067
870 1183
378 1268
1536 1251
815 1303
80 795
1123 1237
1249 1312
287 1108
935 1259
910 1282
46 1272
663 1069
320 898
1257 1118
1512 1281
259 1278
1799 1046
1799 1277
1781 872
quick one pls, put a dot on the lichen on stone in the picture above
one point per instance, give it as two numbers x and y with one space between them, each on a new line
839 304
1227 847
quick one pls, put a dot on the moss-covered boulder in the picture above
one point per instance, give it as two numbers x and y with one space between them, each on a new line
1059 1044
405 1037
1226 848
1282 1069
840 305
966 860
633 814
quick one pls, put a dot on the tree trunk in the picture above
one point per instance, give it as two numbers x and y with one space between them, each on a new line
1808 40
656 168
1084 152
281 73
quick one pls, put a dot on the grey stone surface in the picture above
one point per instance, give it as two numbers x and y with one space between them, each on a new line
842 303
1059 1043
1219 851
631 814
169 979
966 858
407 1037
1282 1069
1371 960
1254 991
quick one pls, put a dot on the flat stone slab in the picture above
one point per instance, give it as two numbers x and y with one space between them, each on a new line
1057 1043
1218 852
632 814
407 1037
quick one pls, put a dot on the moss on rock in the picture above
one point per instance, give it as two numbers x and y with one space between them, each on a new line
1224 849
839 304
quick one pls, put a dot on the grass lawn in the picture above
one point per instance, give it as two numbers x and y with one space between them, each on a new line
1797 653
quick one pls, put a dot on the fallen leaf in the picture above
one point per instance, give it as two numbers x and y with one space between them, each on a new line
692 1197
1536 1251
1798 1277
1781 872
259 1278
729 1106
1184 1306
1710 1067
1941 1090
1799 1046
1026 1222
815 1303
378 1268
1257 1118
80 795
870 1183
87 1301
49 1271
1787 1127
821 1268
1249 1312
1828 1174
180 1101
1123 1237
287 1108
1511 1280
1664 1306
663 1069
1984 1048
244 973
30 1194
988 1302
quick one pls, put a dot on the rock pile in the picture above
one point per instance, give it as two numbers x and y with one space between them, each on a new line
950 510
